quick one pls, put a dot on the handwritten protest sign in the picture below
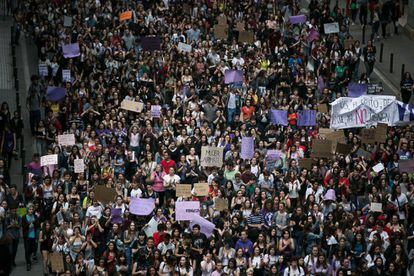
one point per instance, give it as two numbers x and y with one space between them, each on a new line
66 76
66 139
132 106
331 28
220 32
116 215
323 108
67 21
104 194
155 111
185 210
306 163
232 76
51 159
43 71
321 148
381 133
278 117
297 19
240 26
221 204
206 227
125 16
307 118
151 227
378 167
79 165
141 206
246 37
247 148
343 148
368 135
56 262
376 207
211 156
201 189
183 190
183 47
71 50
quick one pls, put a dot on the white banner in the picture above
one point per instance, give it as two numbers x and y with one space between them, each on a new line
364 111
51 159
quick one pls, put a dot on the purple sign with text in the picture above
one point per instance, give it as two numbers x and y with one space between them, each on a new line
307 118
186 210
71 50
247 148
278 117
141 206
297 19
232 76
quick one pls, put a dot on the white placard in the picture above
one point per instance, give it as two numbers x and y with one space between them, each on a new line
376 207
79 165
378 167
43 71
184 47
51 159
67 21
66 77
331 28
66 139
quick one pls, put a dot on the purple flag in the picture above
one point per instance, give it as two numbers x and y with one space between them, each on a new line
232 76
141 206
356 90
71 50
55 94
278 117
206 227
297 19
247 148
151 43
116 215
307 118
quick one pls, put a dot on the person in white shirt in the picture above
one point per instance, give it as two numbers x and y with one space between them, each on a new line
294 269
94 210
170 180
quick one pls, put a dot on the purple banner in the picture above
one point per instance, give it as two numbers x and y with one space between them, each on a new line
206 227
141 206
232 76
356 90
55 94
151 43
247 148
278 117
71 50
297 19
116 215
307 118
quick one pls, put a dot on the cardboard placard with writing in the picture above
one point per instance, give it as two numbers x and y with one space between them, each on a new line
322 148
323 108
381 132
132 106
211 157
56 261
324 132
343 148
240 26
221 204
246 37
104 194
306 163
183 190
201 189
221 32
368 135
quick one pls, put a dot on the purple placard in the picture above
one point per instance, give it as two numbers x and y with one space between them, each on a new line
155 111
232 76
356 90
206 227
55 94
151 43
297 19
116 215
307 118
247 148
71 50
313 35
141 206
272 154
278 117
186 210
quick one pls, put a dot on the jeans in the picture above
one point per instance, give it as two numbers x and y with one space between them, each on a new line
34 120
231 112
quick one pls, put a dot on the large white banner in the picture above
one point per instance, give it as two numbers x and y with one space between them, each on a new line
364 111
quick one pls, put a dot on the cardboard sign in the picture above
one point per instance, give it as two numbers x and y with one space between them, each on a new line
79 165
323 108
185 210
240 26
221 204
406 166
66 77
305 163
201 189
66 139
246 37
104 194
183 190
132 106
56 261
348 42
221 32
125 16
67 21
321 148
211 157
343 148
324 132
381 132
51 159
368 135
376 207
331 28
183 47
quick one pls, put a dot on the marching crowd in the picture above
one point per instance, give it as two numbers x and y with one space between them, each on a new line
281 218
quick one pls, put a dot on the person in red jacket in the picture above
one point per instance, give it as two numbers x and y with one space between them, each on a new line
167 162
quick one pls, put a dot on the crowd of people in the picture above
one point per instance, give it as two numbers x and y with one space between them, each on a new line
280 219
